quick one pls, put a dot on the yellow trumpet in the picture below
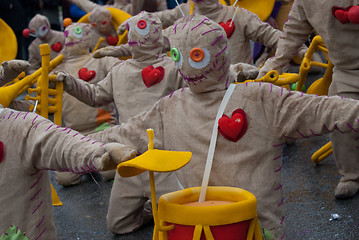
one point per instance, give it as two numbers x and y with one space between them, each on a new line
9 93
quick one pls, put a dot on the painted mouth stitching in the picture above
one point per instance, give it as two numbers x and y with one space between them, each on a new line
190 79
69 44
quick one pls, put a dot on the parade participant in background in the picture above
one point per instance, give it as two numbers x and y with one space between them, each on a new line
75 114
337 23
39 27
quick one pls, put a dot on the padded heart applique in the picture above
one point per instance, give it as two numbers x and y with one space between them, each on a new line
151 76
235 127
353 14
228 27
56 47
86 75
112 40
342 16
1 151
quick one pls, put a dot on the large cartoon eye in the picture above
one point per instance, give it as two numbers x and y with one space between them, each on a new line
176 56
142 27
199 57
77 32
43 30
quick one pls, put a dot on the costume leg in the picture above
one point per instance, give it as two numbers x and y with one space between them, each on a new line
67 178
129 206
108 175
126 208
346 154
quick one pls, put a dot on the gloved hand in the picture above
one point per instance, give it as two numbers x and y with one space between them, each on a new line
115 153
11 69
66 78
269 65
244 71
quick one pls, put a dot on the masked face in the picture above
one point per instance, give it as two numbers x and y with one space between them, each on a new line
201 52
40 26
77 37
144 30
101 20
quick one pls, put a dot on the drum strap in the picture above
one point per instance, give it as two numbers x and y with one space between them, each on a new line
213 142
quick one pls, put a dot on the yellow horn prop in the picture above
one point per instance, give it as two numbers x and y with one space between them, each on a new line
9 93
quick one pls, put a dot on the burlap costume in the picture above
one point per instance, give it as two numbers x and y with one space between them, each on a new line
9 70
184 121
247 26
341 42
75 114
31 145
41 28
100 20
126 85
132 7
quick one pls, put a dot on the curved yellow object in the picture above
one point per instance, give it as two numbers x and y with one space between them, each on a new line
262 8
154 160
171 209
118 17
322 153
8 42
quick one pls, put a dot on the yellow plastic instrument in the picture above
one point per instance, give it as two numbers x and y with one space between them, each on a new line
280 80
118 17
11 91
43 94
171 210
8 42
319 87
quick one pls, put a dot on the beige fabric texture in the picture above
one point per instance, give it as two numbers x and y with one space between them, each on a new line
132 7
184 121
100 20
247 26
341 42
33 145
76 114
124 83
9 70
51 37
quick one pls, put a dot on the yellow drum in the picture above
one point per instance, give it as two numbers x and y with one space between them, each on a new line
227 214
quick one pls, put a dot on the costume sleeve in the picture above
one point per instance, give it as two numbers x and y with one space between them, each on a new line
44 145
34 57
85 5
295 32
133 132
123 50
94 95
256 30
169 16
296 115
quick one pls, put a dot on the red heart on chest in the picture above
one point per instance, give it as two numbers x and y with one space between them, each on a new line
112 40
228 27
56 47
1 151
151 76
342 16
235 127
353 14
86 75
